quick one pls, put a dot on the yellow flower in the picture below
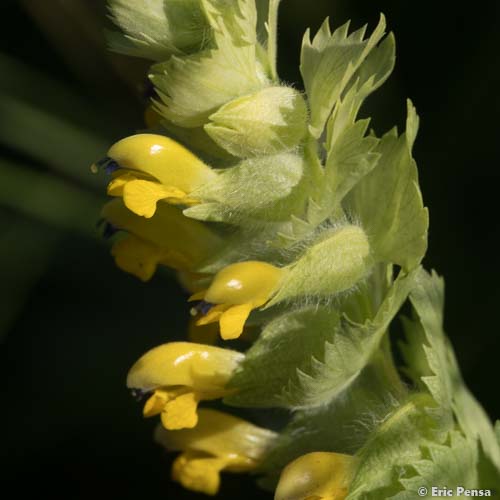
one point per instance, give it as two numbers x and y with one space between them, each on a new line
147 168
167 238
234 292
179 375
316 476
219 442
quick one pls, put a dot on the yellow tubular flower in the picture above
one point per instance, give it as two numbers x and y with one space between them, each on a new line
167 238
219 442
316 476
234 292
148 168
179 375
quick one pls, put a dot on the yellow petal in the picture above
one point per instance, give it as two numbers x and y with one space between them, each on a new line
316 475
213 315
136 256
233 320
221 435
155 404
140 196
244 283
188 240
180 412
115 187
198 473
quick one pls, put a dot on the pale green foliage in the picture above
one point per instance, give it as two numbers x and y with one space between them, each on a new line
389 204
156 29
350 155
267 122
445 430
194 87
255 186
307 357
342 425
430 358
394 444
328 63
334 264
452 465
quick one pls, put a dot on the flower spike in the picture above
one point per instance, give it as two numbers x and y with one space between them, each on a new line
219 442
234 292
179 375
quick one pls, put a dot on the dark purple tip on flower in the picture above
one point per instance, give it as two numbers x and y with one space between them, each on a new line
107 228
202 308
138 394
108 165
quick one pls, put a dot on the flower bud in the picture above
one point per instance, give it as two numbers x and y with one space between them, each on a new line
270 121
332 265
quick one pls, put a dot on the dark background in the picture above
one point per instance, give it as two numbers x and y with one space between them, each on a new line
72 323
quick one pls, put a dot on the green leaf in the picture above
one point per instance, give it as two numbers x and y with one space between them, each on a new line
192 88
391 449
270 121
236 19
48 199
389 204
258 187
450 465
157 29
328 63
342 425
350 157
349 154
307 357
431 361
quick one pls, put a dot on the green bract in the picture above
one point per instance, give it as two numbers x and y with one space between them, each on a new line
267 122
332 215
